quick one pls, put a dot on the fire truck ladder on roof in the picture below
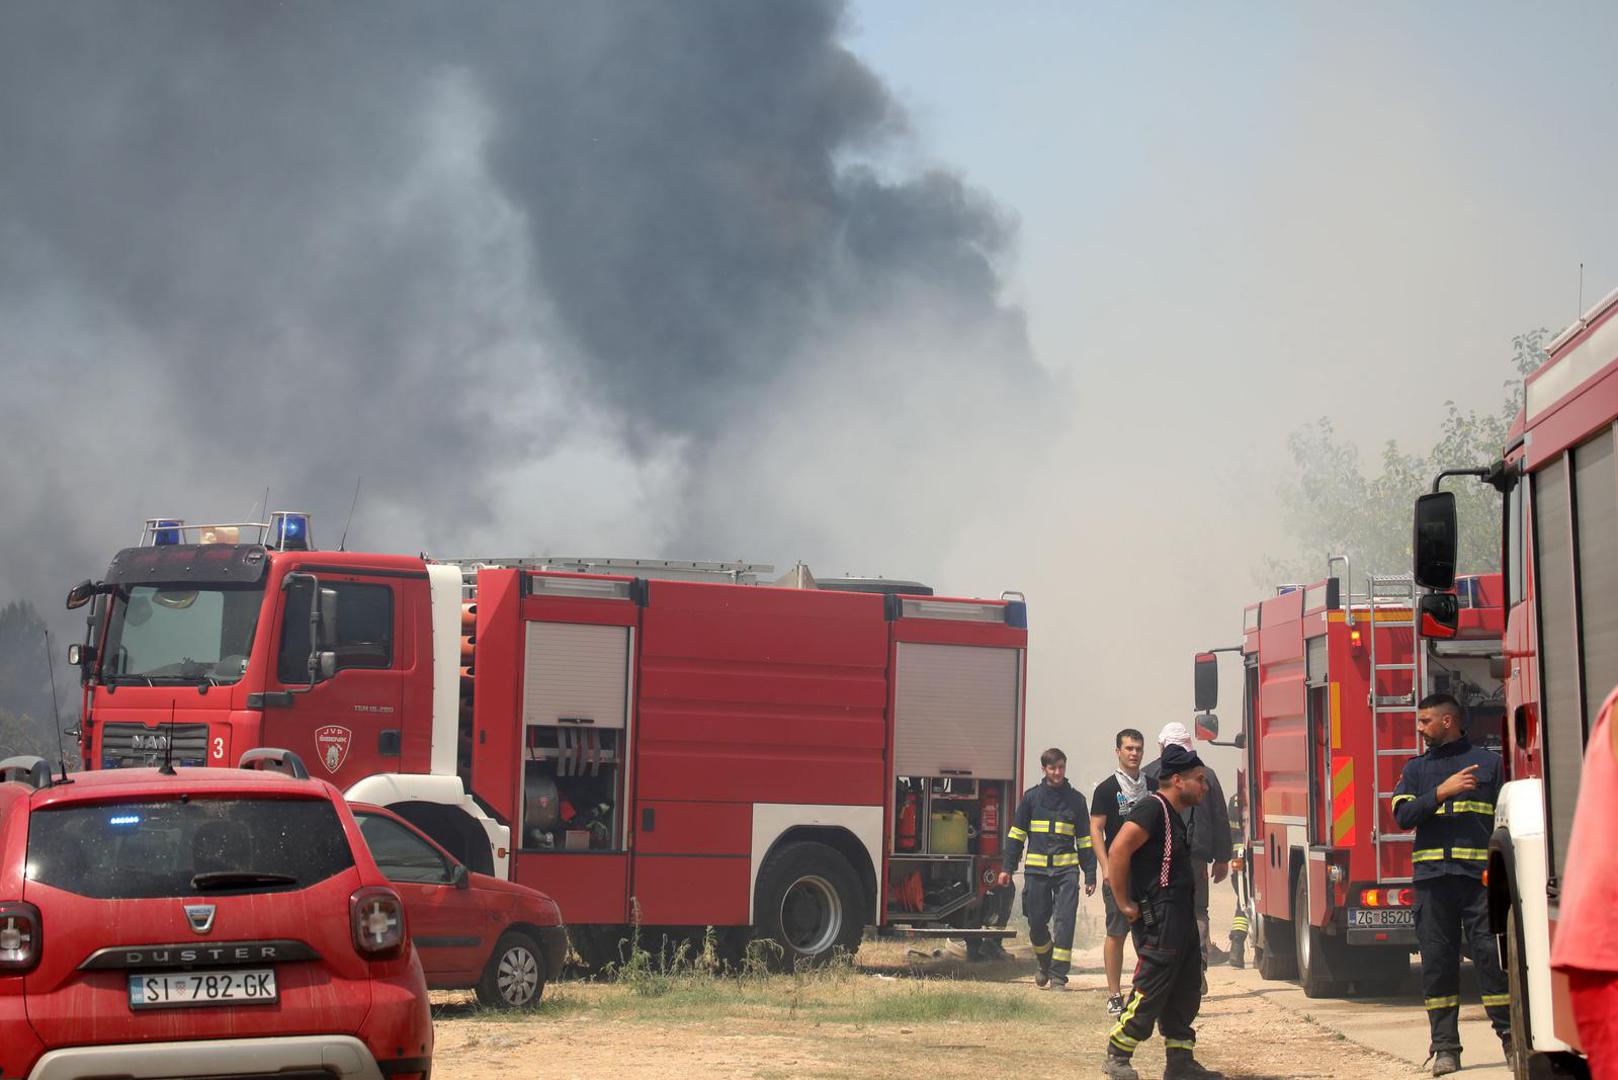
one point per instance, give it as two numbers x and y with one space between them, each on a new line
1391 604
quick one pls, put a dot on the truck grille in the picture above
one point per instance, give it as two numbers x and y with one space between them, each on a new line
130 745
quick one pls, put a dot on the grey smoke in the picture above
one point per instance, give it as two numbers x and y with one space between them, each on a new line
450 247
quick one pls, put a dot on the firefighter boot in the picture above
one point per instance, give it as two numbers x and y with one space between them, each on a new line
1446 1062
1183 1066
1238 950
1116 1066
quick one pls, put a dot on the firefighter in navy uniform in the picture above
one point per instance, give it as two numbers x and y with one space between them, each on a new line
1150 869
1053 823
1447 796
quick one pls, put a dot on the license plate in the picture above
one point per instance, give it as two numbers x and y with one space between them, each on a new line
1382 918
202 988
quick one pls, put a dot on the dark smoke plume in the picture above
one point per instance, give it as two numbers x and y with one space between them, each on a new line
455 247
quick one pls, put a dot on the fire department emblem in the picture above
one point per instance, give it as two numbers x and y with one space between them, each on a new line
333 742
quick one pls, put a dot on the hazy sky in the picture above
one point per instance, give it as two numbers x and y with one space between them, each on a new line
1236 218
1001 296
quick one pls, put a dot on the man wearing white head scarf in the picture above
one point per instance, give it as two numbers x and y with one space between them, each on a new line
1208 824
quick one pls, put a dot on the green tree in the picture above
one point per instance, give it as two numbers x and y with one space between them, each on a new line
1334 506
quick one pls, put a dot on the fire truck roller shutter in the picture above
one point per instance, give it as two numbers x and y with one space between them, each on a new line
956 710
814 878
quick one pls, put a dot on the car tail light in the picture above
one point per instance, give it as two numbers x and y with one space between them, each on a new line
377 919
21 937
1388 898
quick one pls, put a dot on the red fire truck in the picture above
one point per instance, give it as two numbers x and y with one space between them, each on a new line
1330 686
659 744
1560 495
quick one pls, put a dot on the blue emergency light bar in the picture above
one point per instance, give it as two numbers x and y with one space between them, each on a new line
168 531
289 531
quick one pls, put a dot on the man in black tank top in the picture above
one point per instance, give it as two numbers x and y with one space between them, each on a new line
1149 868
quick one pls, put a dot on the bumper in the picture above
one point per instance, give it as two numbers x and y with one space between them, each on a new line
334 1055
553 946
1392 935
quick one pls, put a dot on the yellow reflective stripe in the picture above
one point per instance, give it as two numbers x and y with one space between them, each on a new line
1239 923
1086 842
1061 954
1065 858
1462 807
1017 834
1491 1001
1041 950
1118 1037
1451 1002
1036 859
1064 828
1039 825
1472 853
1179 1044
1123 1042
1441 808
1397 799
1427 855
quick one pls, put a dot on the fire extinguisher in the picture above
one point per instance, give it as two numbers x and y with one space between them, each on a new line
907 822
989 821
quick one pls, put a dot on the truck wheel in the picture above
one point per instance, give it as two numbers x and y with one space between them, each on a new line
809 904
598 947
1526 1064
514 978
1310 946
1274 955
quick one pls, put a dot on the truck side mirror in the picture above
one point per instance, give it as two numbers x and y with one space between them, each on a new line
327 618
1433 541
1207 725
1440 615
80 594
323 665
1207 681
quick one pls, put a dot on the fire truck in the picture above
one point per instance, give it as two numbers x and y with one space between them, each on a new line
1559 488
1330 684
654 744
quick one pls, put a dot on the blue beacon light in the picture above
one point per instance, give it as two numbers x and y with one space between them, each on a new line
166 531
291 532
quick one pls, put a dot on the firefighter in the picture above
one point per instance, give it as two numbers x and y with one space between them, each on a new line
1209 831
1447 796
1053 822
1150 867
1239 926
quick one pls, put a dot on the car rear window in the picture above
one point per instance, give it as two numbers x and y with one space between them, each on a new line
135 850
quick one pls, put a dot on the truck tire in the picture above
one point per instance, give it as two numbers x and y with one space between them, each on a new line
599 947
514 977
1524 1063
1273 954
1309 947
809 905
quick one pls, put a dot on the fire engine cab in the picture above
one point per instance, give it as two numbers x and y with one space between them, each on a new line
668 745
1329 693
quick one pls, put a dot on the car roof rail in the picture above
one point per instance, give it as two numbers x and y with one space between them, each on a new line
274 759
29 769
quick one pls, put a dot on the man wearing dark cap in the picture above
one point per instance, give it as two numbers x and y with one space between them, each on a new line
1149 869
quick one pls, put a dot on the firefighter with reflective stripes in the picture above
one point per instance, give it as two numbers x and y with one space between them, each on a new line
1149 866
1447 796
1053 824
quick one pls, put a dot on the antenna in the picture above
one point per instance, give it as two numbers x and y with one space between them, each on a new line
168 746
342 545
56 710
1580 313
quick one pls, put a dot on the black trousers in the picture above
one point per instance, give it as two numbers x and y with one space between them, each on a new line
1167 992
1444 906
1051 903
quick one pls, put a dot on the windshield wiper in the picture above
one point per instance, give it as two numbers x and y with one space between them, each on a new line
125 680
231 879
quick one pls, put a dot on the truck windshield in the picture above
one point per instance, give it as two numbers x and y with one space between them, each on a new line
181 634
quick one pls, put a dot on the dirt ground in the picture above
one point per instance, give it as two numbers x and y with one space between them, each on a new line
894 1013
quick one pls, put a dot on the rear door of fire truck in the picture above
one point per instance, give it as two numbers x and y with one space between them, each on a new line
959 684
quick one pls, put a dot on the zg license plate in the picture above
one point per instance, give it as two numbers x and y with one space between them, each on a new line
202 988
1381 918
